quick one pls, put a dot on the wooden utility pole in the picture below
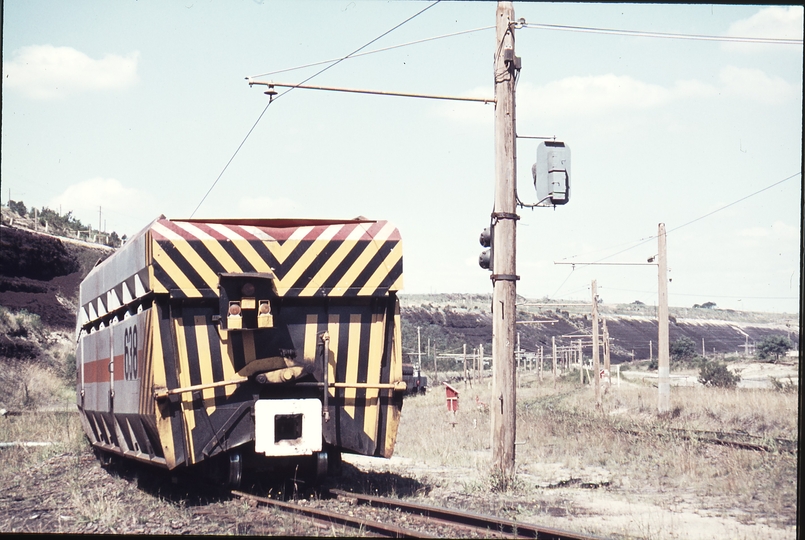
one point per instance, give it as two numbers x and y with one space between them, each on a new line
663 362
596 360
435 367
466 376
418 347
606 354
504 218
553 346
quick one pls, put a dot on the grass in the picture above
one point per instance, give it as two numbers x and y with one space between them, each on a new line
624 444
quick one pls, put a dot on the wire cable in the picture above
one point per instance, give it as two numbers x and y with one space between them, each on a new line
639 33
373 51
272 100
650 238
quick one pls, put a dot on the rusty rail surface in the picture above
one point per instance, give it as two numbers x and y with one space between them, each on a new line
489 525
327 516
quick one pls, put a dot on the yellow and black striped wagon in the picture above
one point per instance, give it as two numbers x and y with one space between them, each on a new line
224 341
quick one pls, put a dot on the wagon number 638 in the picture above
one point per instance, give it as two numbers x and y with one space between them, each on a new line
130 363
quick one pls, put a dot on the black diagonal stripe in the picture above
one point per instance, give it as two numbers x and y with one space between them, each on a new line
237 256
312 268
172 381
184 267
168 349
373 264
190 344
315 265
293 258
393 275
343 267
208 258
363 365
235 341
265 254
385 401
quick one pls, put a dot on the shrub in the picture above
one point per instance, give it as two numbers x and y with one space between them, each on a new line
772 347
683 347
712 373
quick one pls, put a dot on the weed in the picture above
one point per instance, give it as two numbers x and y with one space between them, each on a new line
784 386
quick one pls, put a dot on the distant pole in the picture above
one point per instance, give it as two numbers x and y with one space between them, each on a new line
418 349
704 353
650 350
435 367
606 355
663 361
465 366
481 359
596 360
99 219
503 407
553 346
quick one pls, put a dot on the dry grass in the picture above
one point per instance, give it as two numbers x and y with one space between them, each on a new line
623 445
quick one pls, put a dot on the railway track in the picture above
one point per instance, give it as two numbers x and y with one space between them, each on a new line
420 521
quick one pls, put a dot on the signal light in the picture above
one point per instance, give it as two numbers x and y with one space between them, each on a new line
486 258
233 317
264 317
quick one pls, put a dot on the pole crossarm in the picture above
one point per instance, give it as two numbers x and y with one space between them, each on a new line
608 263
373 92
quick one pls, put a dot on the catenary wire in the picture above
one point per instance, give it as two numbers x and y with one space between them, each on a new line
640 33
373 51
303 82
650 238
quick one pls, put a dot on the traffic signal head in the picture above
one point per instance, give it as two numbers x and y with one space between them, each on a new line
551 172
486 257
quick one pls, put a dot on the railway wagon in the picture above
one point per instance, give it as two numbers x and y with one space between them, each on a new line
236 343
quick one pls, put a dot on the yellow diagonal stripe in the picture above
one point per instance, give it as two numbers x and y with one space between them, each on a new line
213 246
244 246
173 271
333 261
376 333
308 256
383 270
361 262
190 255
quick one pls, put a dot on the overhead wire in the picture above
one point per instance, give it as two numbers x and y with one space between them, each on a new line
271 100
665 35
650 238
285 70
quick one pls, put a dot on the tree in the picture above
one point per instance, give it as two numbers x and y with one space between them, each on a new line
773 347
682 348
713 373
706 305
18 207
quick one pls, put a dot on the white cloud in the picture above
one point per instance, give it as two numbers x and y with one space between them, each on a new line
776 22
48 72
755 84
267 207
598 95
781 230
777 232
122 208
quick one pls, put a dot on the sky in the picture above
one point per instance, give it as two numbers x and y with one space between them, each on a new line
122 111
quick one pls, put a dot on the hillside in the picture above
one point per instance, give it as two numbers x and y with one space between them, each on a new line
40 275
452 320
